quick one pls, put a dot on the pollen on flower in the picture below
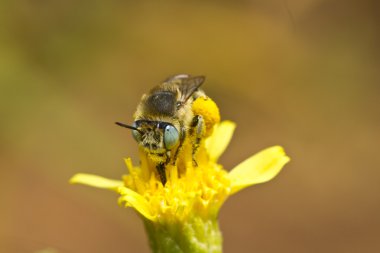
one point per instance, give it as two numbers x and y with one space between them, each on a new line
192 191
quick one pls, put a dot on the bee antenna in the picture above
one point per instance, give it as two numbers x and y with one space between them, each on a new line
128 126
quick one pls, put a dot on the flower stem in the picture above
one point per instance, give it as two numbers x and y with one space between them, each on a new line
192 236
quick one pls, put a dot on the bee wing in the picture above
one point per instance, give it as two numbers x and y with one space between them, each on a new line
188 86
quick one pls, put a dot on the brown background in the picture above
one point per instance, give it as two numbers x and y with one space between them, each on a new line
308 81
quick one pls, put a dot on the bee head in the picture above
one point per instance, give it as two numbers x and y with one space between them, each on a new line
155 136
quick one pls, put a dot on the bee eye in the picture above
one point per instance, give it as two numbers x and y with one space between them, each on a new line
136 134
171 137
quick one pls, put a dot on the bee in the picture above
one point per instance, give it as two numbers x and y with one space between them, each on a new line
164 118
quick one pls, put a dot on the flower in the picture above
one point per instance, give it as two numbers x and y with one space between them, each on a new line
194 193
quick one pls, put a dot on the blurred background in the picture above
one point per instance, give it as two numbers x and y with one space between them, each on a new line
302 74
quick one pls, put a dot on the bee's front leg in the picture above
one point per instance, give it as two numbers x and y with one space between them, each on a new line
183 136
197 132
161 172
161 166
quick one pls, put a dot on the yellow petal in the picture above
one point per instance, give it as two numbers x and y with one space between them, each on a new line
136 201
96 181
259 168
220 138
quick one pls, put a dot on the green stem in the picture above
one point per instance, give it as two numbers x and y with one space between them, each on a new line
193 236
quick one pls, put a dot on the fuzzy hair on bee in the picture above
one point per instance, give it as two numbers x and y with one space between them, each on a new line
164 117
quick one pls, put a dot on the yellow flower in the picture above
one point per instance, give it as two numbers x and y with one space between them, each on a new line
193 191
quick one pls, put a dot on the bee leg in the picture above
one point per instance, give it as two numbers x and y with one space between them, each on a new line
197 132
161 172
183 135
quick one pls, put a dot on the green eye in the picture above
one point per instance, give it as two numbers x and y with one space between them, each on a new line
136 134
171 137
